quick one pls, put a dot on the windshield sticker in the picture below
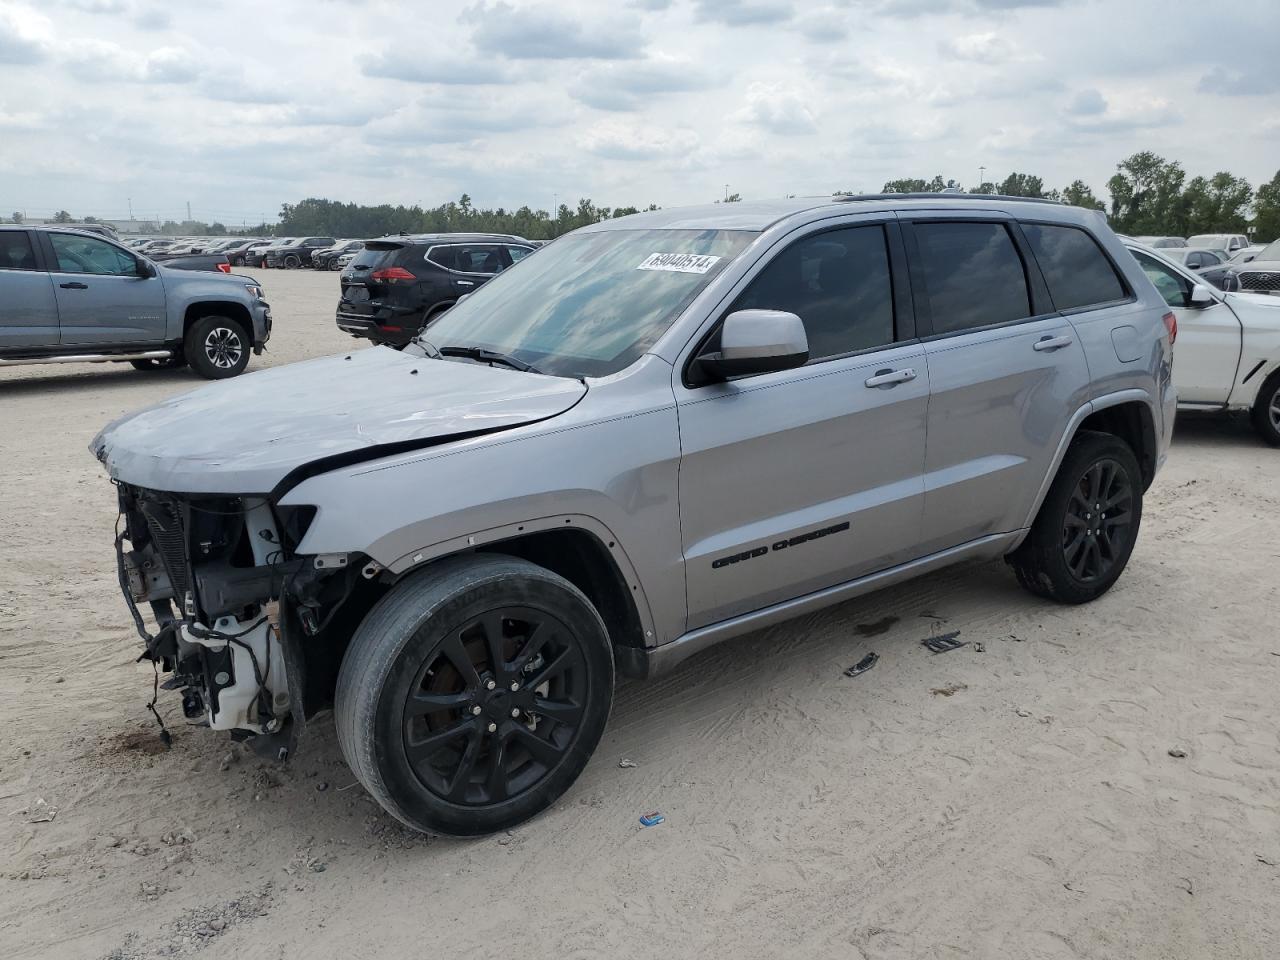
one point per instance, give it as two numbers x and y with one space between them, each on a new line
679 262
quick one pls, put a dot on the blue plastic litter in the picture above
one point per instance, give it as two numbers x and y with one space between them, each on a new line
651 819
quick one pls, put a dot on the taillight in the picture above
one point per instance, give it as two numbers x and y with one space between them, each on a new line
1171 326
392 274
224 267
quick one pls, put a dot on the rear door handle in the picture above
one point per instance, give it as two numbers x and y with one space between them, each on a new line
1051 343
74 285
465 283
889 378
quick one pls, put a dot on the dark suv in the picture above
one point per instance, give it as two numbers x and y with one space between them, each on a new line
396 285
296 253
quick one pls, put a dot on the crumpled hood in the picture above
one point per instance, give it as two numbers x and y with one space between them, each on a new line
246 435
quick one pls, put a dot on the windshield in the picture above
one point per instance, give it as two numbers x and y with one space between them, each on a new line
589 304
1211 241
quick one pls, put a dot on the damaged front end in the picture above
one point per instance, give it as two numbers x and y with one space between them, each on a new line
231 601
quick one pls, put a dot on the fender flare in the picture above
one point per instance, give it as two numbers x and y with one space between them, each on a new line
514 531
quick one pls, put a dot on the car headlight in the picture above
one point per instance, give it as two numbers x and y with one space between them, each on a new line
255 291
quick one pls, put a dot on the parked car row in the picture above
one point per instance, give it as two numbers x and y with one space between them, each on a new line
1220 259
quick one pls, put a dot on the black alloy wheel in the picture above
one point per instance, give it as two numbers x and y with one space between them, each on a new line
473 694
1087 525
1096 529
495 707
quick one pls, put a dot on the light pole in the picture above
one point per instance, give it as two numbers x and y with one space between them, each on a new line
982 176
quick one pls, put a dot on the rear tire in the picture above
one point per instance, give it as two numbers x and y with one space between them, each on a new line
473 694
237 261
292 262
1085 531
217 348
1266 411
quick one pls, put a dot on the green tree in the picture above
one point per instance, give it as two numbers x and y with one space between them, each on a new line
17 216
986 186
1080 194
908 185
1217 204
1266 209
1021 185
62 217
1146 195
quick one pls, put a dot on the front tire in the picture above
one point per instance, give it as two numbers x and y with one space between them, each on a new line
473 694
1266 411
217 348
1087 526
292 261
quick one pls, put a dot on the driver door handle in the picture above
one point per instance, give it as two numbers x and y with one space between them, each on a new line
890 378
1051 343
74 285
465 283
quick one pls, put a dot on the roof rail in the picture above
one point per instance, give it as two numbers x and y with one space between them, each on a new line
937 196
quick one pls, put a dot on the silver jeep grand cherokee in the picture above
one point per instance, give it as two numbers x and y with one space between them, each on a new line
652 435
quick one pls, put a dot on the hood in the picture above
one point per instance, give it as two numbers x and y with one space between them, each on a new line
247 435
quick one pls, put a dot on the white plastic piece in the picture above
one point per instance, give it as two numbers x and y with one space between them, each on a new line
237 709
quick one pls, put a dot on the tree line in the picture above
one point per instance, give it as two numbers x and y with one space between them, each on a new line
1148 195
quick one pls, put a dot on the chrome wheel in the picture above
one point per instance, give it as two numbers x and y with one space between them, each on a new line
224 347
1273 410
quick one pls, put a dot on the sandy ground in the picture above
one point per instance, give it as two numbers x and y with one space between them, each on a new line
1018 802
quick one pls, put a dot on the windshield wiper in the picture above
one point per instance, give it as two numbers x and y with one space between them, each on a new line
486 356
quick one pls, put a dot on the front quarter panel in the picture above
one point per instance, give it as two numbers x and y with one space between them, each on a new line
609 465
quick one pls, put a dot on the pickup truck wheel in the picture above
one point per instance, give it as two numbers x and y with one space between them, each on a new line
217 348
172 363
1085 531
1266 411
473 694
292 261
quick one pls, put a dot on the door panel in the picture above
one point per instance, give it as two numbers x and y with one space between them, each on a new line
1207 353
28 308
101 299
794 481
997 410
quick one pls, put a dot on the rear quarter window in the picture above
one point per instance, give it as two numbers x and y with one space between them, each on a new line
1076 270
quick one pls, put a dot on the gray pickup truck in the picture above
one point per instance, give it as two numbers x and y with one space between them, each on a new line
72 296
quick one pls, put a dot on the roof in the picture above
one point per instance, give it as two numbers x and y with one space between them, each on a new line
761 214
449 237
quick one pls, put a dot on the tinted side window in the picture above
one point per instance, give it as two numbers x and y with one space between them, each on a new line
87 255
973 273
838 283
518 253
15 251
1075 268
469 258
1173 286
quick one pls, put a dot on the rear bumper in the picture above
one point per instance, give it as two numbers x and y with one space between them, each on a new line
388 330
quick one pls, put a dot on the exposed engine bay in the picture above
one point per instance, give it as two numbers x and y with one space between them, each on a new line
231 602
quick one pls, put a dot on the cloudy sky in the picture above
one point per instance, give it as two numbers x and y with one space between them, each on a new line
237 107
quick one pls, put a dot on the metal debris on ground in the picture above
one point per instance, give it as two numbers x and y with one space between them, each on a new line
863 665
651 819
626 764
944 643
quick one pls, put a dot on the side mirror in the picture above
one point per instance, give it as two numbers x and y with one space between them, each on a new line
1200 297
757 341
146 269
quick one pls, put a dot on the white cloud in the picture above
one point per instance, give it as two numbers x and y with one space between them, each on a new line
632 102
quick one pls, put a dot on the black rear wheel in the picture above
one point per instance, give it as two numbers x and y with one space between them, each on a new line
1087 526
474 693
